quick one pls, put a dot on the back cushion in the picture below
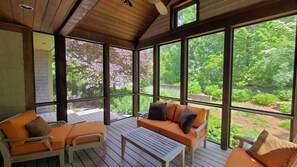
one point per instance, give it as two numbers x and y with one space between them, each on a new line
170 110
15 127
178 111
201 113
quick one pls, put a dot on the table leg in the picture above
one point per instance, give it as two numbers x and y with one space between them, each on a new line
123 146
182 158
165 164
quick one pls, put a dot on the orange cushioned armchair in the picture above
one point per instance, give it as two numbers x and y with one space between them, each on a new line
171 129
17 146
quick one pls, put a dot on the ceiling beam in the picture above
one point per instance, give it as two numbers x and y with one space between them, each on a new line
77 15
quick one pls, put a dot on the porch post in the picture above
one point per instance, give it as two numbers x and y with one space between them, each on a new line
60 58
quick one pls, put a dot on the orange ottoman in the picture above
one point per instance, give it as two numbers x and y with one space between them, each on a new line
86 135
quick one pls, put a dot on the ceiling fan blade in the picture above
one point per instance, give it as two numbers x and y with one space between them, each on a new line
161 8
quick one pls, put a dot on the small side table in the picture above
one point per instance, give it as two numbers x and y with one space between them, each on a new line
142 114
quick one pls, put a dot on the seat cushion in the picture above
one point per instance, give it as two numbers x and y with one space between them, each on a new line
170 110
201 113
239 157
153 125
59 136
15 127
173 131
85 128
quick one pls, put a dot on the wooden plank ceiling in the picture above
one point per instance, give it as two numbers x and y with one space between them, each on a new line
47 16
113 21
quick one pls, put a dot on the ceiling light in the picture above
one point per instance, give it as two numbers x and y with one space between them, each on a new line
26 7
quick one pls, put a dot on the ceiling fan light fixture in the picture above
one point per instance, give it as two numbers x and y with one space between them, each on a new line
26 7
161 8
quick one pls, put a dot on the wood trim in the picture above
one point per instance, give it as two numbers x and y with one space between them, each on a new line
184 71
80 12
106 81
293 130
13 27
61 83
244 16
227 76
156 65
101 38
85 99
135 82
28 69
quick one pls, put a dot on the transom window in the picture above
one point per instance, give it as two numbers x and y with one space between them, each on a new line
184 13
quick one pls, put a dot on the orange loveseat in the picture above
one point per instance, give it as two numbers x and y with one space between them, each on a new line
17 146
171 129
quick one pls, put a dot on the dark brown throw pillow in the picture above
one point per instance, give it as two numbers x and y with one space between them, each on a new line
187 120
38 127
157 111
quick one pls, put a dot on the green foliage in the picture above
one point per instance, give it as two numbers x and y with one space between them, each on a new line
236 130
285 108
214 128
194 88
241 95
286 124
214 131
214 91
121 105
144 102
265 99
122 90
170 63
169 92
186 15
284 95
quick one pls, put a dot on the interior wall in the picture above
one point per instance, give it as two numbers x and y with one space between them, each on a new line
208 9
12 84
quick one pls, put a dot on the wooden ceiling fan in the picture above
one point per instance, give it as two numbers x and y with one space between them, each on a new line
158 3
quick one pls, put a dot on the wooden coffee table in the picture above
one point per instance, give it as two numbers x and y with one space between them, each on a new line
156 145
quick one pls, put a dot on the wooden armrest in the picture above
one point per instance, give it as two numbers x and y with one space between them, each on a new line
45 139
74 141
57 123
143 114
243 140
197 131
77 122
28 139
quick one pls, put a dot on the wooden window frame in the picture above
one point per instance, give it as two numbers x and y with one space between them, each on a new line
180 5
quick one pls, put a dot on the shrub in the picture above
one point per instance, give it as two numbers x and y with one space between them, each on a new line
284 95
241 95
214 128
265 99
121 105
285 108
286 124
214 91
194 89
144 102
